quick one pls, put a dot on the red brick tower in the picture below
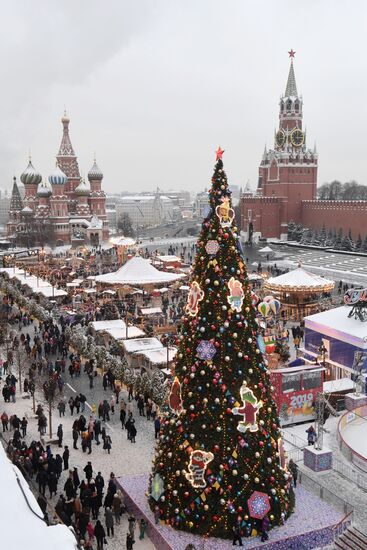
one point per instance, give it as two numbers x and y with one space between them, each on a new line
68 163
287 173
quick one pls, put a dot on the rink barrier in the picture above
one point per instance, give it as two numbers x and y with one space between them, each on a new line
360 461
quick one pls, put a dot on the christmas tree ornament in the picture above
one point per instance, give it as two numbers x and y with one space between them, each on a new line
197 466
263 308
236 296
212 247
195 296
258 505
175 400
206 350
225 213
250 408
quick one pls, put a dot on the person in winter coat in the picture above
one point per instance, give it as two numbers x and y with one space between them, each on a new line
311 435
122 417
265 528
42 479
97 431
90 531
61 408
60 434
116 506
58 466
157 426
109 521
129 542
23 426
100 534
133 432
65 457
76 479
107 444
75 438
99 483
52 483
69 488
142 528
88 470
294 471
71 405
132 524
5 421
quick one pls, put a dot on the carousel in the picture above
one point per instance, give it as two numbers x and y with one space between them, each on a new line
299 292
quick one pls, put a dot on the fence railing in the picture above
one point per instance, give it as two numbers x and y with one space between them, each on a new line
342 526
295 440
324 493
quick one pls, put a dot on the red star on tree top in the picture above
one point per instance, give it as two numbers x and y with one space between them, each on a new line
292 53
219 152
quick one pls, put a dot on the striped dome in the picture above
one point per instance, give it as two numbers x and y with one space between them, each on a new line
30 175
95 173
57 177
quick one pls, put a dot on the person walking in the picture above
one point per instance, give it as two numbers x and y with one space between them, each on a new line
100 534
88 470
129 542
116 506
294 471
142 528
75 438
265 528
132 525
133 432
157 426
23 426
65 457
5 421
60 434
107 443
109 521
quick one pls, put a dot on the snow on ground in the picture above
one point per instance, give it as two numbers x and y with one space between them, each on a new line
355 435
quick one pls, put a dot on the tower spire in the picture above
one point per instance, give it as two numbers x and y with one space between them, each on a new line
291 88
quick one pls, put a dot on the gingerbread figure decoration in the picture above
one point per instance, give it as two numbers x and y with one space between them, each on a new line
197 466
235 299
249 410
195 296
175 399
225 213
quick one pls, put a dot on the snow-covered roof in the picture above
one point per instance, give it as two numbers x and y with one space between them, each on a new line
336 324
89 291
21 527
266 250
79 281
105 325
138 271
169 258
49 292
111 292
184 287
342 384
122 334
159 356
254 276
142 344
299 279
150 310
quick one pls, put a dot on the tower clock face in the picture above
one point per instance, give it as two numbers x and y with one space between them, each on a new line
297 137
280 138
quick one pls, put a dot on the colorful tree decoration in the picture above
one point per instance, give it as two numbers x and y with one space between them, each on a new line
225 213
211 460
263 308
175 400
254 299
197 466
258 505
235 299
250 408
194 297
157 487
206 350
212 247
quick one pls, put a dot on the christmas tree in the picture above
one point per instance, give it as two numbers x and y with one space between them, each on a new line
220 461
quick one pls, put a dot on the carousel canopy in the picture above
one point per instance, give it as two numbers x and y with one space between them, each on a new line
299 280
138 271
122 241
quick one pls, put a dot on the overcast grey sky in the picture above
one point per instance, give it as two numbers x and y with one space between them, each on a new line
155 86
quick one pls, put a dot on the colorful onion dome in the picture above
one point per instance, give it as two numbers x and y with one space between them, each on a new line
95 173
43 190
30 175
82 189
57 177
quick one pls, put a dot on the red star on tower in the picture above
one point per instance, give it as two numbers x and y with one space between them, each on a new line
292 53
219 152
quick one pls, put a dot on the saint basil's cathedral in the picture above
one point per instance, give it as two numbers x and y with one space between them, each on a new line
64 210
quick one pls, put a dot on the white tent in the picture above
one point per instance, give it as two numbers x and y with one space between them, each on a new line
266 250
138 271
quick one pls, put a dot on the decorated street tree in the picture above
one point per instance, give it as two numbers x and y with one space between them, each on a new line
219 460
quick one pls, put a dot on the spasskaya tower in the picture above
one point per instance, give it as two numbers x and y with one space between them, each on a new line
287 173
